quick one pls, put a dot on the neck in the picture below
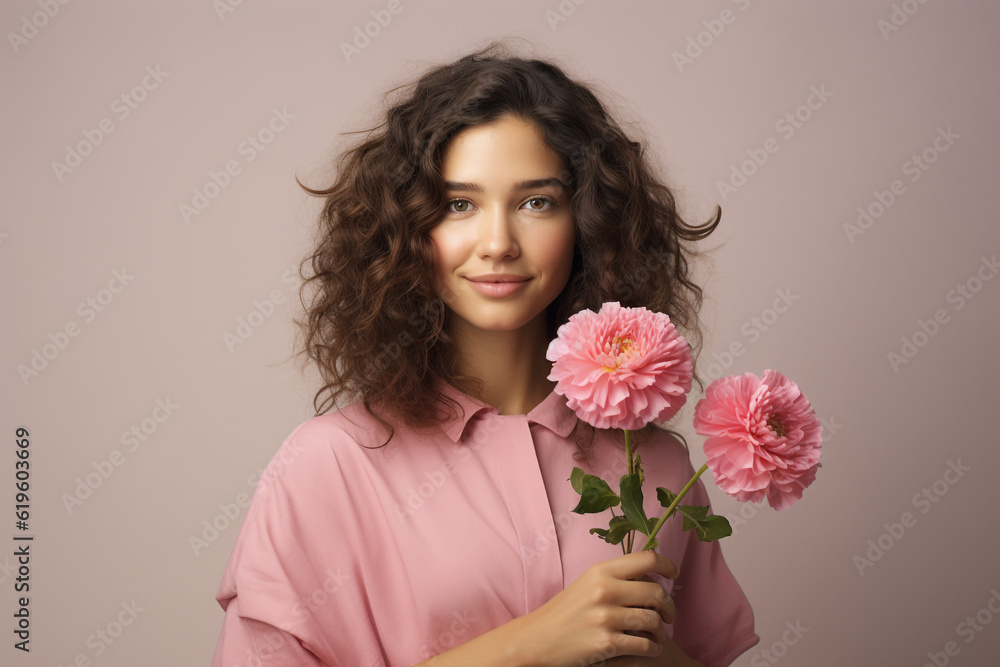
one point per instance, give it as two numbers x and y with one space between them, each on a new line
512 364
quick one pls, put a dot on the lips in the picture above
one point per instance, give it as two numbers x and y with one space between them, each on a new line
498 278
498 288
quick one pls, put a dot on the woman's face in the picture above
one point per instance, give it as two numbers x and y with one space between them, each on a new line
507 213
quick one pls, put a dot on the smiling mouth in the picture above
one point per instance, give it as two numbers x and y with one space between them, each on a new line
498 288
473 280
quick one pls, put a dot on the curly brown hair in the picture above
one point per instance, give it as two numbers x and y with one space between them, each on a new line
375 326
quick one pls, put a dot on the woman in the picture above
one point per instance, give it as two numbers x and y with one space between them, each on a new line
430 521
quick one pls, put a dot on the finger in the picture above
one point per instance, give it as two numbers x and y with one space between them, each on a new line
643 594
640 642
639 619
625 647
659 601
662 637
665 566
638 563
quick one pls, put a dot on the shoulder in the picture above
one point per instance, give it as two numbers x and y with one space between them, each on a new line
314 437
338 440
365 429
318 470
315 448
348 429
665 456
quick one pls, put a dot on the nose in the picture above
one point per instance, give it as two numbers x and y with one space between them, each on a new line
498 235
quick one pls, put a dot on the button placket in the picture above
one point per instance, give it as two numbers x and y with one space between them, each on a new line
521 477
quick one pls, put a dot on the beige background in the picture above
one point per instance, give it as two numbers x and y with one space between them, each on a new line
891 432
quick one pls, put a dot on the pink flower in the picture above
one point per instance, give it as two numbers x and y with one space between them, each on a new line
763 437
621 367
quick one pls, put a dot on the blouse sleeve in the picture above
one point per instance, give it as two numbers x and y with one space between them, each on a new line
714 622
246 642
295 571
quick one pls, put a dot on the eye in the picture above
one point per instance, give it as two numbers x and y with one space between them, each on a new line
450 206
552 202
457 201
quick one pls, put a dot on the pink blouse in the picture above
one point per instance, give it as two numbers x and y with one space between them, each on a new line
385 557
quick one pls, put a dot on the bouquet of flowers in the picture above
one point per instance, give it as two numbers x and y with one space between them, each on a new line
624 367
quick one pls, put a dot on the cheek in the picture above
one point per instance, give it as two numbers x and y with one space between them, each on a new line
558 248
445 255
452 246
439 252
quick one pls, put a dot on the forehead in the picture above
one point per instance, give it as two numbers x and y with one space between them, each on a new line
507 149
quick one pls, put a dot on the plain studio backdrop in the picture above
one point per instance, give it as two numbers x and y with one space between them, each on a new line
153 231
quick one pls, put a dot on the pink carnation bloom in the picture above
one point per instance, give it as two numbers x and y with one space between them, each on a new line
763 437
621 367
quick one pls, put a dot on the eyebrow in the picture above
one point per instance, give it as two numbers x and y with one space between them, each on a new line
520 185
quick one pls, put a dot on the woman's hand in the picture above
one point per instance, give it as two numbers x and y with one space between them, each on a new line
589 620
672 655
669 658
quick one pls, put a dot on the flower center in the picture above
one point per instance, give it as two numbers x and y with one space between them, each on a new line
776 426
620 346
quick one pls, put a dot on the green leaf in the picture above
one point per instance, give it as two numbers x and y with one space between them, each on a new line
665 496
708 527
638 467
596 496
693 513
576 479
620 527
632 502
652 545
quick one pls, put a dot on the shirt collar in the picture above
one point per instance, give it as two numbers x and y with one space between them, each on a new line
553 413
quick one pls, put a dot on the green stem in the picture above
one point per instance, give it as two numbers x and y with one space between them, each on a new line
673 505
628 452
628 459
